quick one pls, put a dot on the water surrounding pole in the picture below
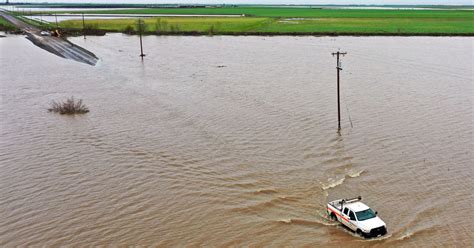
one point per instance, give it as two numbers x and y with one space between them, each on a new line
338 68
338 97
141 42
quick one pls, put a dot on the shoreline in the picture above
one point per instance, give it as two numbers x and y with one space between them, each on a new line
100 32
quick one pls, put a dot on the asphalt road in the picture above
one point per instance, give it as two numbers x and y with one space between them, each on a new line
56 45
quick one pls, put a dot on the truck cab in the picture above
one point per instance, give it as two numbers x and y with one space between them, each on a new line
357 216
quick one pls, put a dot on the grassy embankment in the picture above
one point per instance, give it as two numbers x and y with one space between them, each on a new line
271 20
6 26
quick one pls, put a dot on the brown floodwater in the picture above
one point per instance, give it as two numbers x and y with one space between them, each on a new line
232 141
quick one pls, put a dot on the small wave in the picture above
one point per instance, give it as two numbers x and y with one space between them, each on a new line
262 205
244 185
304 222
377 239
265 191
288 198
353 174
406 235
259 206
416 226
332 183
287 221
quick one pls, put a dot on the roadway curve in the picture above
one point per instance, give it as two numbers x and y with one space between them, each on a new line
56 45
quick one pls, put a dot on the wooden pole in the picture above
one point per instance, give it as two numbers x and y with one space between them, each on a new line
141 42
338 68
83 26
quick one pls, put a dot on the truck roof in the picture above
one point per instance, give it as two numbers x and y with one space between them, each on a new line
356 206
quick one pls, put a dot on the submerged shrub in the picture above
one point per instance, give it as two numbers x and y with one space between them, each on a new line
70 107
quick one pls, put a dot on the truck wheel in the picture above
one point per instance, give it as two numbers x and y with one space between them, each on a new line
360 233
333 216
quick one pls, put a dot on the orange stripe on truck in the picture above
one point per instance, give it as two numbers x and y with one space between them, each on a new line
336 213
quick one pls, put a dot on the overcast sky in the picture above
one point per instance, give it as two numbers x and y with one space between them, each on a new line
444 2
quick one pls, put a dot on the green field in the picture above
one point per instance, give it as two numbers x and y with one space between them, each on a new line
300 12
276 20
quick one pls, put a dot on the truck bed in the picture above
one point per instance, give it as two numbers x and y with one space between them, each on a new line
336 204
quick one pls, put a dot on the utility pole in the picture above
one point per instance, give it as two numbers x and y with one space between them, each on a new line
83 26
56 17
338 68
141 42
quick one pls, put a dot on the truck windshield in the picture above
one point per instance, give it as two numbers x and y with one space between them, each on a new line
365 215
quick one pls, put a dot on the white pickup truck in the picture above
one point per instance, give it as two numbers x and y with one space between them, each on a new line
357 216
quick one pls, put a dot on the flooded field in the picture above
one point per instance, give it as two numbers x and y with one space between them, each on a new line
221 141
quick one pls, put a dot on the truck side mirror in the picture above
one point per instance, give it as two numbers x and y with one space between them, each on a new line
376 212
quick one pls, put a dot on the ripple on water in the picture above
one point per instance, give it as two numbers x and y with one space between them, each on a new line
177 152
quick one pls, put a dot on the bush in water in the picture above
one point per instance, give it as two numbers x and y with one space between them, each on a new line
70 107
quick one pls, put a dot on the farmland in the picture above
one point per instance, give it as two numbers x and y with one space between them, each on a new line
261 20
294 21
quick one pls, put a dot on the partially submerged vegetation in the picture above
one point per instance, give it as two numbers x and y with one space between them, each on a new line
70 106
174 25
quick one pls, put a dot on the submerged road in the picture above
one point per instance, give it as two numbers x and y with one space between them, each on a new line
56 45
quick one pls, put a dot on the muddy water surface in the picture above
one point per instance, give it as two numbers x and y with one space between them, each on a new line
223 141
